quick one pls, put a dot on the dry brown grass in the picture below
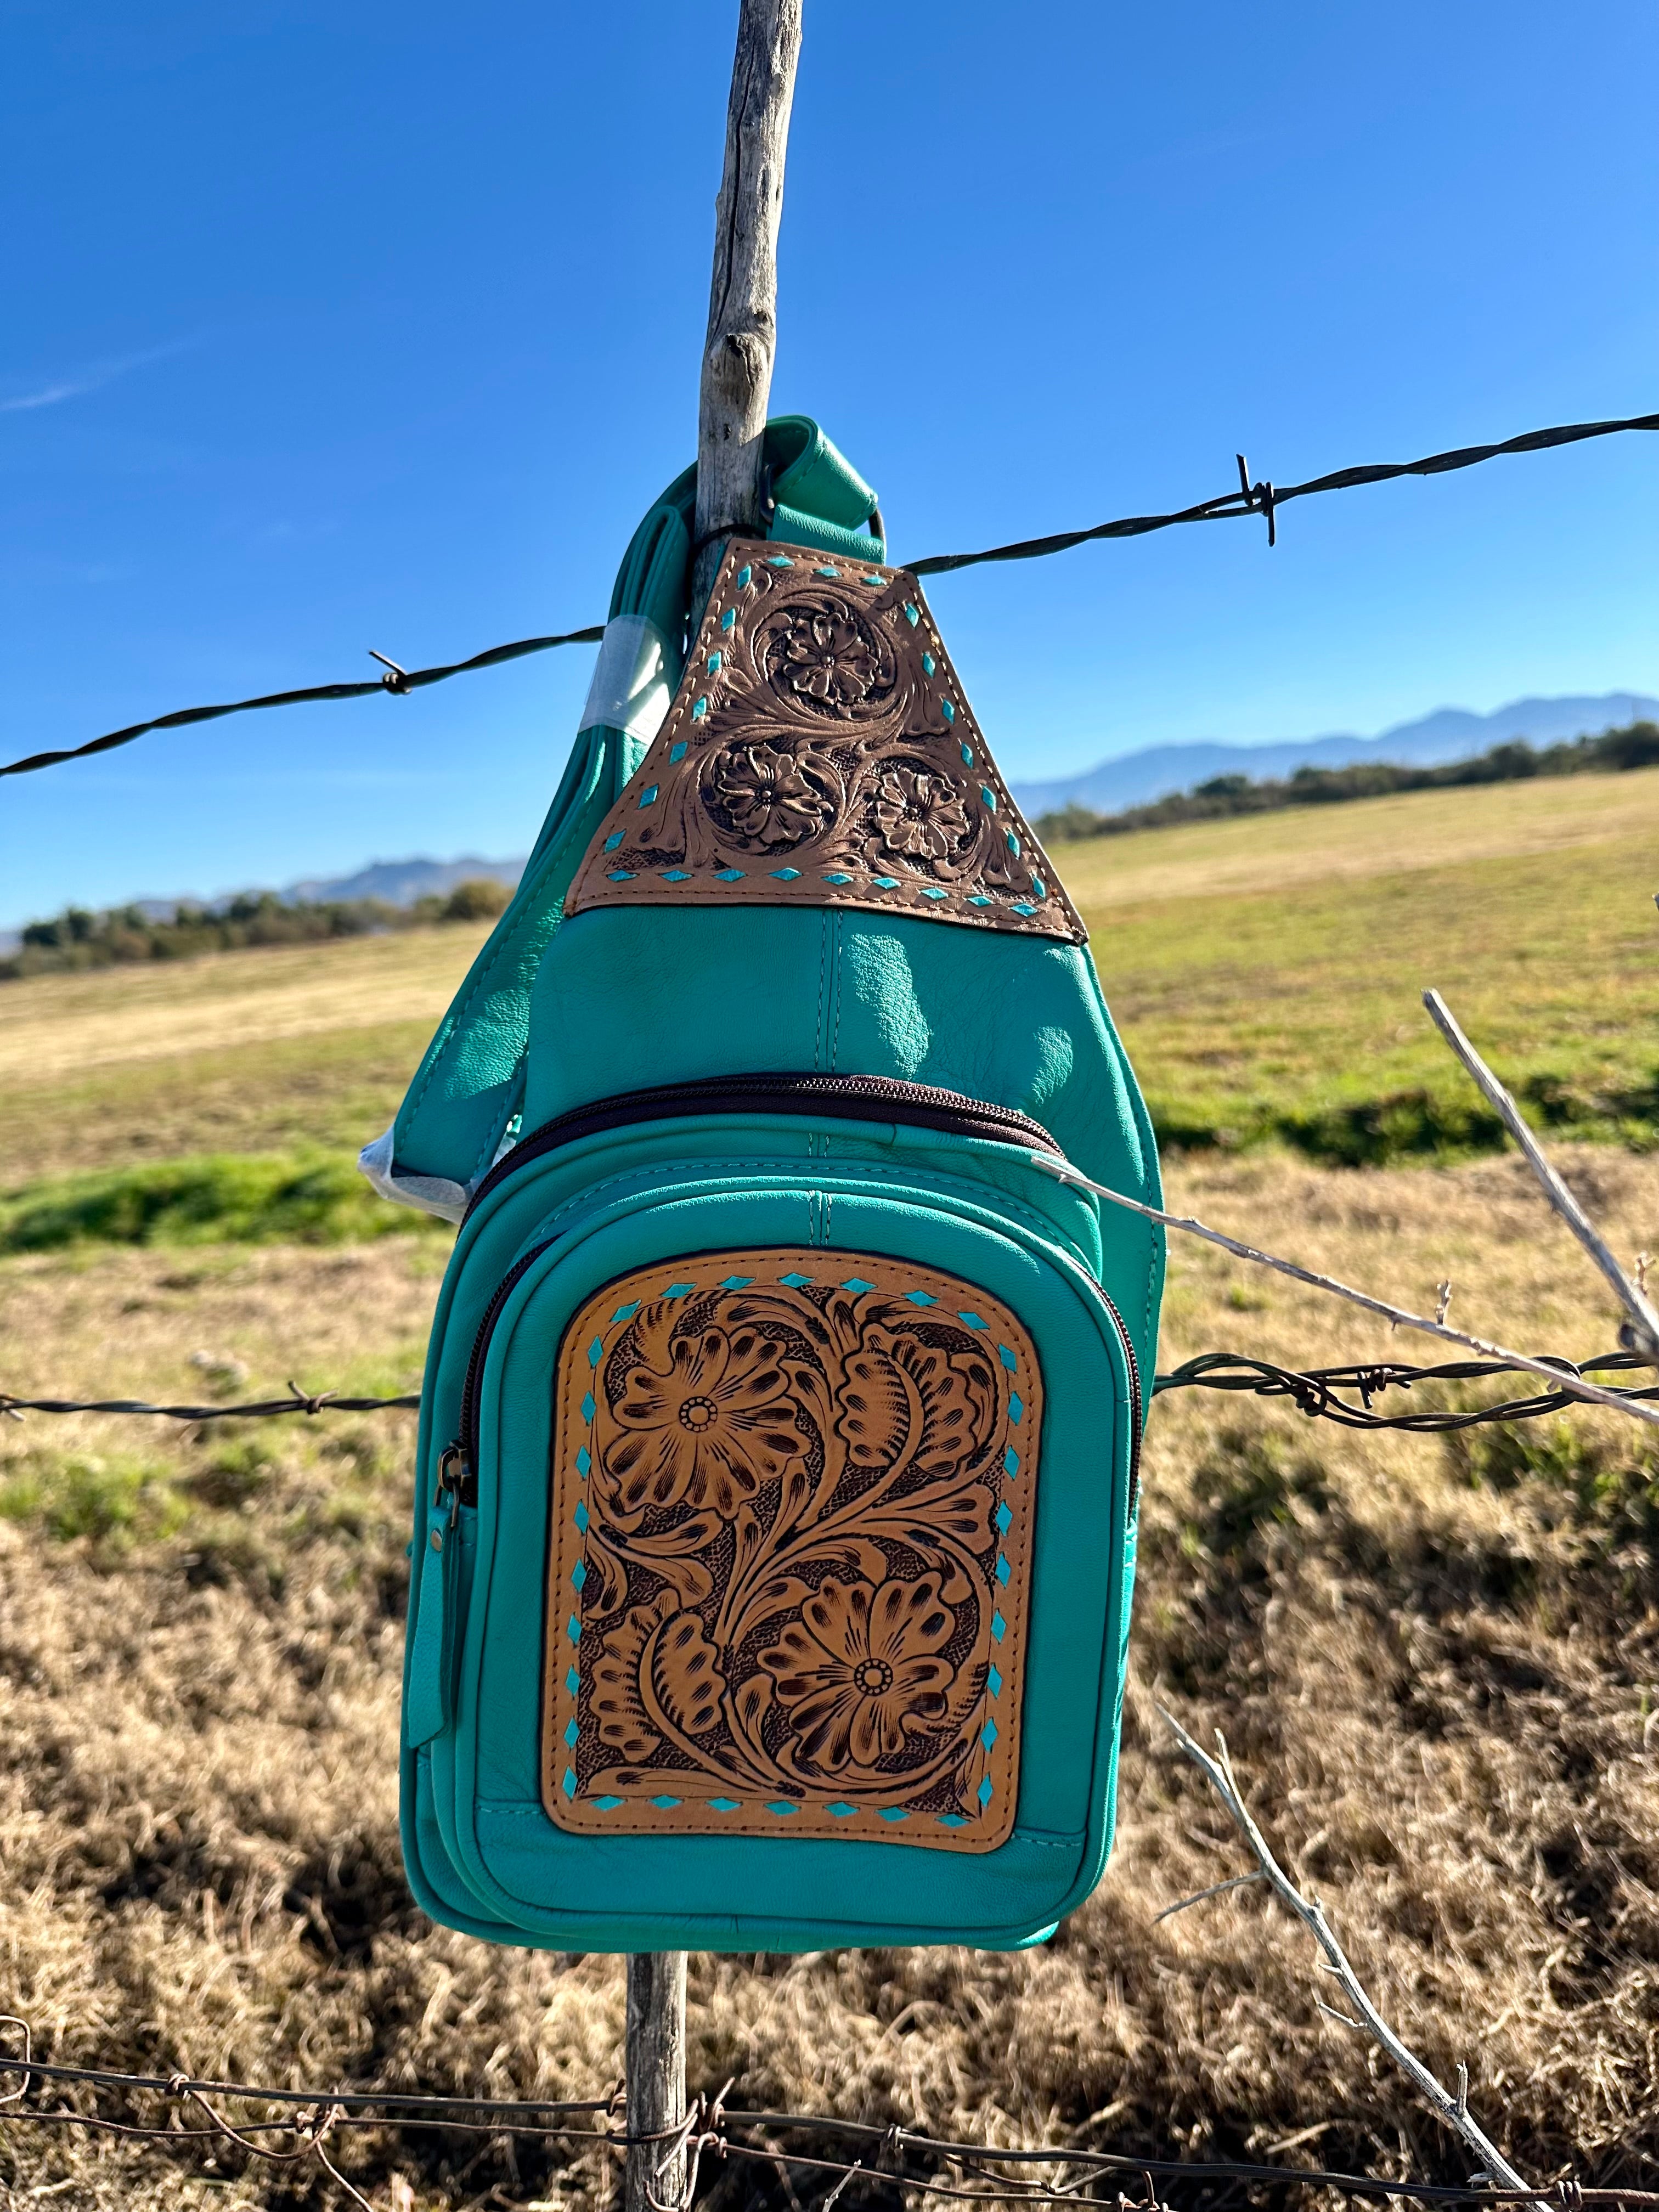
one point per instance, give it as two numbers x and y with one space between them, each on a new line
1437 1666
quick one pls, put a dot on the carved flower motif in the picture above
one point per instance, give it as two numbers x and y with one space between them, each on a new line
920 813
767 794
859 1670
828 659
711 1430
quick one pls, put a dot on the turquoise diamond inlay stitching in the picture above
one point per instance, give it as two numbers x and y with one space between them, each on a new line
1011 1461
1004 1518
894 1812
1016 1407
608 1804
743 574
726 1805
928 663
626 1313
782 1807
920 1298
675 876
582 1517
579 1574
737 1282
973 1320
569 1783
1006 1355
588 1408
728 875
664 1804
619 875
571 1733
596 1352
613 840
885 882
1003 1569
995 1681
679 1290
573 1681
857 1283
795 1282
988 1734
947 710
731 614
678 752
713 663
584 1463
985 1793
835 877
572 1629
649 794
998 1626
784 875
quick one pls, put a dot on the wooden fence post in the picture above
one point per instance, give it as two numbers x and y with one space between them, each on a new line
736 382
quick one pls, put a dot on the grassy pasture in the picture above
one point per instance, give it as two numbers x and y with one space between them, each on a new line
1264 973
1436 1660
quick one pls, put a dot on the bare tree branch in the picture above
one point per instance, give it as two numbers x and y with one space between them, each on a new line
1452 2109
1641 1333
1562 1378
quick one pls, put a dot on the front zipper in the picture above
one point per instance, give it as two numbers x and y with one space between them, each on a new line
837 1097
463 1480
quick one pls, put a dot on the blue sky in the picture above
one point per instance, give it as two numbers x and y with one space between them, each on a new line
333 327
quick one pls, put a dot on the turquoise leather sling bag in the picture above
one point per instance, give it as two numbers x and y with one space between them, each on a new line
778 1460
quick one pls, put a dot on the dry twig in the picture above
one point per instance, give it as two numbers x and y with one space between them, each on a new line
1453 2110
1398 1315
1640 1332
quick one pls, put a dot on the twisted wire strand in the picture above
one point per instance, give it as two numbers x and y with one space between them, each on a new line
1315 1391
1262 499
314 2115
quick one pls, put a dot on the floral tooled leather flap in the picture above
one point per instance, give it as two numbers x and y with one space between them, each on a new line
820 752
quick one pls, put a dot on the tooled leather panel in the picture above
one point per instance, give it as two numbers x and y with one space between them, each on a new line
792 1498
820 752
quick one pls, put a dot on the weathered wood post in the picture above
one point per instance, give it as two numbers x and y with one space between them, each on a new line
736 382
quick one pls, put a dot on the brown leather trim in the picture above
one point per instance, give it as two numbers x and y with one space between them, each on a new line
820 751
792 1496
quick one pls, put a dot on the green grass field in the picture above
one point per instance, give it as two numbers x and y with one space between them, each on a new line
1265 973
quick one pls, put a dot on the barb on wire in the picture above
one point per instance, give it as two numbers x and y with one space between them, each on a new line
398 680
1265 499
1561 1375
261 1409
1262 498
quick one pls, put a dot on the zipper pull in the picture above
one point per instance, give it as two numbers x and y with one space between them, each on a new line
454 1481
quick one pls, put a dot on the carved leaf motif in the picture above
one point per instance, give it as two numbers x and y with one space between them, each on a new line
686 1675
618 1709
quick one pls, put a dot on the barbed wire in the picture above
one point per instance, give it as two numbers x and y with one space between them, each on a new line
1315 1391
309 2117
1261 498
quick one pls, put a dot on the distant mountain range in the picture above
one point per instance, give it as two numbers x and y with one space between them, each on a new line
400 883
1135 779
